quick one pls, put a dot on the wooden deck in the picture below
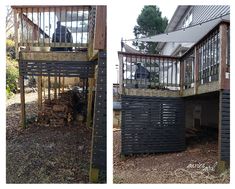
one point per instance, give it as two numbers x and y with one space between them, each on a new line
54 56
204 68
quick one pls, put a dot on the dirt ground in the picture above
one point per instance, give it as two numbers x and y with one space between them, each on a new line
44 154
195 165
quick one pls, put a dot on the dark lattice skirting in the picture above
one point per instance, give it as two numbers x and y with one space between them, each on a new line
99 133
82 69
152 124
225 125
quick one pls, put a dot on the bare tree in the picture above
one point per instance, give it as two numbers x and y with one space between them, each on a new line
9 19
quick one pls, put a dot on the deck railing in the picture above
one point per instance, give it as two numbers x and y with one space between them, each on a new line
91 30
209 59
149 71
188 69
57 28
206 62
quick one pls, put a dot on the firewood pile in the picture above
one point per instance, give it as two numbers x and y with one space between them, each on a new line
57 112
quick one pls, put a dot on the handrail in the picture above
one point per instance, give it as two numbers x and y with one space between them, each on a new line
149 71
62 28
203 63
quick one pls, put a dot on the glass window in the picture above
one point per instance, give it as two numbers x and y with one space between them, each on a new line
188 20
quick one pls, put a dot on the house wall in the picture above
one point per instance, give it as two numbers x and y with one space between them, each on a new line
169 48
200 13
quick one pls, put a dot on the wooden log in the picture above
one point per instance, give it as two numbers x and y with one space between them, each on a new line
60 108
57 112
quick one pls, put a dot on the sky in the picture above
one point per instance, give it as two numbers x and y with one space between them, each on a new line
121 22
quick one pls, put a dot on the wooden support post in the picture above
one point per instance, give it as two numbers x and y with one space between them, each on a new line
120 56
59 85
181 77
196 70
55 88
16 27
63 85
39 93
43 87
22 101
223 46
221 166
91 82
49 88
94 175
83 89
100 28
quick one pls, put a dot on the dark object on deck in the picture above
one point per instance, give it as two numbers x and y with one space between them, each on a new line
152 124
141 72
62 35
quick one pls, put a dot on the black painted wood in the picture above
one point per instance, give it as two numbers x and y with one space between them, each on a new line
64 69
152 124
225 125
99 133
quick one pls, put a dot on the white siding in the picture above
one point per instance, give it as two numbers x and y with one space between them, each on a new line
169 48
202 13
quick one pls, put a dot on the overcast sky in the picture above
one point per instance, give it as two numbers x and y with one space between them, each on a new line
121 21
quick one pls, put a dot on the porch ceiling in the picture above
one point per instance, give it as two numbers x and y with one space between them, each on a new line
190 34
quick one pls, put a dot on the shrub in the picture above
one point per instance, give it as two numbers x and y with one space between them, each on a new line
10 48
12 75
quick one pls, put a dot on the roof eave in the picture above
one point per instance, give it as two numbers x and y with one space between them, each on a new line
179 12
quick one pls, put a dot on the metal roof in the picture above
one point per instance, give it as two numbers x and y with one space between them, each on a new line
201 13
191 34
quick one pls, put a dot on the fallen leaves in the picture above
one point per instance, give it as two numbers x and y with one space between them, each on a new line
45 154
168 167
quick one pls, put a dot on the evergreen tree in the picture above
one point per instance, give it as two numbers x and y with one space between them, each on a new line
150 22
